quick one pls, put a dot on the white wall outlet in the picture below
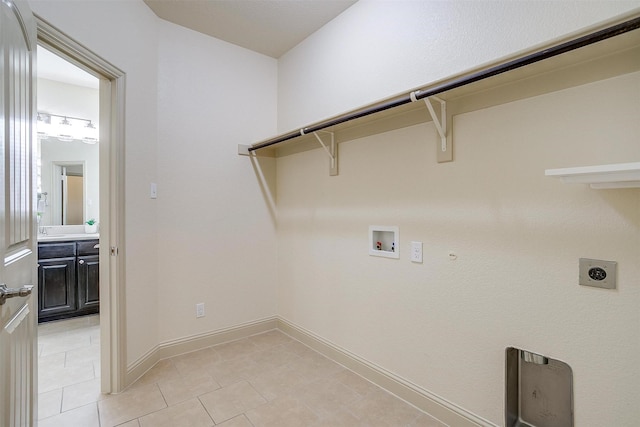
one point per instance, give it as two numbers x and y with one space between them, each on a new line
200 310
416 252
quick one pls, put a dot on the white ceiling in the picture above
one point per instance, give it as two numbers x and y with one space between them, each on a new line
52 67
270 27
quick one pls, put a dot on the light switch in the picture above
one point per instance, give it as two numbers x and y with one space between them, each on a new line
154 191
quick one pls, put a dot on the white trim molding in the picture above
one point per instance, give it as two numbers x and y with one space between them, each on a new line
196 342
434 405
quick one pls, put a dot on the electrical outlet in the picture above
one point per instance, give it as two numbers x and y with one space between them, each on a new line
597 273
416 252
200 309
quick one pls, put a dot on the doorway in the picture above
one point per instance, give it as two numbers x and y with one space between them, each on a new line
67 171
109 205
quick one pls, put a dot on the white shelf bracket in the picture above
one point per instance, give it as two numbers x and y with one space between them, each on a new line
445 151
440 127
331 150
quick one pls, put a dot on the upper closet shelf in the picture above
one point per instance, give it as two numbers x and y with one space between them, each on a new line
593 56
620 175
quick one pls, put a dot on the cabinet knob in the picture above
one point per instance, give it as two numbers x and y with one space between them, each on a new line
81 261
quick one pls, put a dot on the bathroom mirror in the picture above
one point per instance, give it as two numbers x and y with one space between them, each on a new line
69 175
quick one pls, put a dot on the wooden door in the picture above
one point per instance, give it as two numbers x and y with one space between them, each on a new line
18 356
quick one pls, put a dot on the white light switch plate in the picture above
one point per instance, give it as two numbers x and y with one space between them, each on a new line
154 191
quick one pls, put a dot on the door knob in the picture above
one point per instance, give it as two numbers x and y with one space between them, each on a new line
14 292
81 262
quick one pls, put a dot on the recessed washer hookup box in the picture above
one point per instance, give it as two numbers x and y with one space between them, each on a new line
538 390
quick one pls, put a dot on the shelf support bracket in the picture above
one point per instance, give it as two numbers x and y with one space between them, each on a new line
243 150
444 150
331 149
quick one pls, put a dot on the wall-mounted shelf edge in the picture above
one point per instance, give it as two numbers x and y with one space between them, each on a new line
620 175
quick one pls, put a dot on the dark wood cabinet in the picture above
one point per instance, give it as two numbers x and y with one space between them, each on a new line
56 287
68 279
88 282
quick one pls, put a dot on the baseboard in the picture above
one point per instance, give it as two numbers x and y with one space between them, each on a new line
434 405
195 342
439 408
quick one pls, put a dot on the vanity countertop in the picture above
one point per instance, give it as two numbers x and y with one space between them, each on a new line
67 237
64 233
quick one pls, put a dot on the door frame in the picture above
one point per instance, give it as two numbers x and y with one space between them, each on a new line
112 214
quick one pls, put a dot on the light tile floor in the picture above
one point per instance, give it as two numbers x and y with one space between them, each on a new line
265 380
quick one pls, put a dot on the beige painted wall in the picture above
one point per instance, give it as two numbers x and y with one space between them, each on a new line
444 325
379 48
216 225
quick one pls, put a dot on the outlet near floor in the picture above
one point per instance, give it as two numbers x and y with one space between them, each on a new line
200 309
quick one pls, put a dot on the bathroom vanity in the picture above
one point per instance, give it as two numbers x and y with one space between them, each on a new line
68 276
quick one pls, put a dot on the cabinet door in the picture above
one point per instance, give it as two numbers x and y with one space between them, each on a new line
89 283
57 288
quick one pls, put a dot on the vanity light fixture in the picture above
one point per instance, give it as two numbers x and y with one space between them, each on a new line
67 128
64 131
90 133
43 125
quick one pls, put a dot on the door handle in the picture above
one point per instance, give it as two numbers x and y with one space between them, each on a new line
81 262
14 292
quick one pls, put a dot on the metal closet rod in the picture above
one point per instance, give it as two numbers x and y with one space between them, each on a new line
586 40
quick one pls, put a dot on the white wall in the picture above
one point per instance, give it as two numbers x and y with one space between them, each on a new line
125 34
74 101
380 48
444 325
216 232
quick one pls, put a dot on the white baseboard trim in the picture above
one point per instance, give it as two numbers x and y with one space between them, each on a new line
436 406
195 342
439 408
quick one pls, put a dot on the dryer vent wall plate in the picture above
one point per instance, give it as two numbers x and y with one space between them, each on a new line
598 273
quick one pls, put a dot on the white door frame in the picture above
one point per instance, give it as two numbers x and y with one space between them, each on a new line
112 279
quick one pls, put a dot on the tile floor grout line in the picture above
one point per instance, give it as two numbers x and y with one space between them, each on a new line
263 355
